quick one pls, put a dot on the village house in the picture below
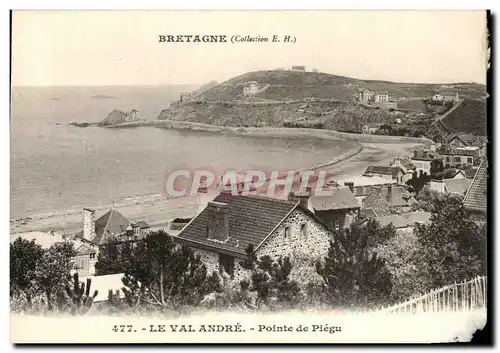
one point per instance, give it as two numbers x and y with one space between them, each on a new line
337 210
389 199
463 140
231 225
459 157
450 97
457 186
437 97
406 166
395 174
186 97
370 129
382 97
363 185
250 88
476 198
365 95
110 227
405 223
422 160
299 68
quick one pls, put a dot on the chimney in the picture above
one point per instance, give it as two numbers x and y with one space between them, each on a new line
389 194
303 198
218 221
350 185
88 223
130 232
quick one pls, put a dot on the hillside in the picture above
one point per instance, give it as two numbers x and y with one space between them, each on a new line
313 99
291 85
469 117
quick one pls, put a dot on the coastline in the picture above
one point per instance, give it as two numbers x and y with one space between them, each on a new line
158 210
271 131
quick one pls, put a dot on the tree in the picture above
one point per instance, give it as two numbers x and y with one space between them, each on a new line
453 245
24 257
354 275
53 271
158 271
270 280
436 167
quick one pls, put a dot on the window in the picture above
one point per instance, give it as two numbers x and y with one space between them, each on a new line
303 230
92 256
337 224
456 159
448 159
287 232
226 264
469 160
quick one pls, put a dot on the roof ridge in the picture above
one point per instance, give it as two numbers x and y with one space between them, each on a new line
107 223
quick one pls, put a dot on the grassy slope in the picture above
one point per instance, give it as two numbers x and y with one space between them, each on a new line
296 85
343 114
469 116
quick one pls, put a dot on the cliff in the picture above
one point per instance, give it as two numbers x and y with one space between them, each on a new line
119 117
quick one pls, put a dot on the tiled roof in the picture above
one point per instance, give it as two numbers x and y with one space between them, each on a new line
251 220
476 197
109 225
470 173
467 138
457 186
85 250
405 219
341 198
369 212
381 169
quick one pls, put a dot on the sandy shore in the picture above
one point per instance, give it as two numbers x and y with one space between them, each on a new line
158 211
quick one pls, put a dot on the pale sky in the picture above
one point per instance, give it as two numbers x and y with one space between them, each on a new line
121 47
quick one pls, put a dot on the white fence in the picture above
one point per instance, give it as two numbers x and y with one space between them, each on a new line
464 296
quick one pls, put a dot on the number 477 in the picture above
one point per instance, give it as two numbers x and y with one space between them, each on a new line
122 328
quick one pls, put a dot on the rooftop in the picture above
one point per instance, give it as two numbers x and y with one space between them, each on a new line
404 220
111 224
364 180
457 186
476 197
380 169
425 155
342 198
251 220
44 239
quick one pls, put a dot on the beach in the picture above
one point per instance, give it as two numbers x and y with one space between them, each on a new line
158 211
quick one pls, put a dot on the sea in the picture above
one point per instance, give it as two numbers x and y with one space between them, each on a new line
56 166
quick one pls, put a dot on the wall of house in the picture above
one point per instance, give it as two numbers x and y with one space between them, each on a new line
334 219
313 247
211 261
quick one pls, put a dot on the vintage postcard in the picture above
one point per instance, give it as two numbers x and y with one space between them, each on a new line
249 176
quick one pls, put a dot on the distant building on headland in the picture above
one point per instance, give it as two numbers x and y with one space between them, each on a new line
445 97
380 99
250 88
299 68
186 97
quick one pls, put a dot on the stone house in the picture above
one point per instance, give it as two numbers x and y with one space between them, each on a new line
406 166
112 226
231 224
370 129
463 140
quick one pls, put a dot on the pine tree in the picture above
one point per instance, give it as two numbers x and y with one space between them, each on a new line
353 274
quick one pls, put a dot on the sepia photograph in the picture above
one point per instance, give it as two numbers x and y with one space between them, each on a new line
244 176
